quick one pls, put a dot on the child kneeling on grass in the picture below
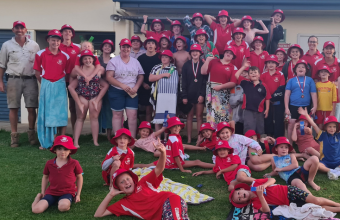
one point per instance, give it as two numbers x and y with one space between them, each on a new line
285 164
175 150
61 172
277 195
142 199
119 156
229 165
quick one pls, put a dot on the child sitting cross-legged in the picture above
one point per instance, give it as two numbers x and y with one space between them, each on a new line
175 150
228 164
142 199
61 172
275 194
285 164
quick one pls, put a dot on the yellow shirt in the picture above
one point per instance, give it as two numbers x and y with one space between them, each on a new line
327 95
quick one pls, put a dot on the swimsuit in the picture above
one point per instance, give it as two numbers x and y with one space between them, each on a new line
88 91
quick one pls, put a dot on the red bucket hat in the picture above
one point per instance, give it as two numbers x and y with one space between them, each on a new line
135 37
272 58
230 48
151 38
222 125
88 53
247 17
107 41
168 39
223 144
239 186
156 21
183 39
54 33
206 126
222 13
238 30
145 124
252 45
121 171
175 22
196 15
199 32
295 46
167 53
281 12
324 67
327 43
301 62
172 122
196 47
281 140
331 119
15 23
284 52
302 117
67 26
250 133
64 141
125 41
119 133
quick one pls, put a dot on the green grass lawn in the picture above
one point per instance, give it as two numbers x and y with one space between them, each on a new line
21 173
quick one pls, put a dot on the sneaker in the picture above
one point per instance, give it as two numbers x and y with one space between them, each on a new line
336 172
332 175
337 168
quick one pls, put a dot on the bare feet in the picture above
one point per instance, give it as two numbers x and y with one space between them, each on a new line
313 185
77 146
302 159
41 148
96 144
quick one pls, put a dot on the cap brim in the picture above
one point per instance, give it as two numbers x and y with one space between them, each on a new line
132 174
73 150
167 130
113 140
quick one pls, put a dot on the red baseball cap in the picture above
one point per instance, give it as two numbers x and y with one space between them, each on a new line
238 30
120 171
295 46
156 21
331 119
272 58
222 125
168 39
324 67
250 133
282 140
175 22
108 41
119 133
196 47
125 41
301 62
247 17
151 38
88 53
327 43
53 33
199 32
230 48
223 144
206 126
166 53
222 13
196 15
172 122
284 52
67 26
145 124
181 38
15 23
239 186
281 12
64 141
135 37
252 45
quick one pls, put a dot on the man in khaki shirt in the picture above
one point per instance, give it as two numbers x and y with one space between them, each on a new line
16 60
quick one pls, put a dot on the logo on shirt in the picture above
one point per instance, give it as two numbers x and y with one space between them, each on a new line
227 31
241 50
73 52
139 188
262 57
287 160
63 139
178 216
228 69
276 79
168 147
127 162
334 69
259 90
60 62
316 57
228 160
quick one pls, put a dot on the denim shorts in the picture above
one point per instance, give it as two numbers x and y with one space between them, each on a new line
120 100
52 199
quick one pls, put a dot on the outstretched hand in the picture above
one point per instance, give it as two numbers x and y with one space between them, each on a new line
113 192
159 146
303 111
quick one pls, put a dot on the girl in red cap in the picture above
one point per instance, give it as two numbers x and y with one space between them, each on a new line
282 57
242 48
164 43
295 52
137 48
258 56
119 156
196 23
177 28
208 47
207 137
229 165
248 24
157 28
275 31
142 199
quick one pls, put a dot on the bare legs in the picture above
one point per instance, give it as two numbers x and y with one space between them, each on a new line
39 206
81 115
117 119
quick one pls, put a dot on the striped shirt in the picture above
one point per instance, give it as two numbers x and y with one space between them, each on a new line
166 85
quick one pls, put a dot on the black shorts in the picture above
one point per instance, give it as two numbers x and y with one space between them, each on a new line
301 174
294 111
52 199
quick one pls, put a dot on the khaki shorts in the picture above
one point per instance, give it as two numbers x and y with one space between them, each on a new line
27 87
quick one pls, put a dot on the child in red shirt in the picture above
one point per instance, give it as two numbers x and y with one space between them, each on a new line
277 195
175 150
228 164
157 28
119 156
241 47
142 199
258 56
61 172
295 52
164 43
207 137
282 57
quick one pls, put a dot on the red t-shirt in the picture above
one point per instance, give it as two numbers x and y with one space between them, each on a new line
52 67
258 60
78 61
221 35
311 59
279 68
210 142
174 148
242 52
127 160
73 50
221 73
291 73
62 180
158 35
335 69
276 194
273 81
146 202
222 163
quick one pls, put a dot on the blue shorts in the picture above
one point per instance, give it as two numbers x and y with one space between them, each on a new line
52 199
330 165
120 100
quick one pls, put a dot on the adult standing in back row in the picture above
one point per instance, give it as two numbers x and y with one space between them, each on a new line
17 59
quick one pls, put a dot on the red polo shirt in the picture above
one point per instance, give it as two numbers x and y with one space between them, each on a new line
157 35
62 180
210 142
221 73
73 50
78 60
335 70
242 52
52 67
258 60
311 59
279 68
221 35
273 81
291 73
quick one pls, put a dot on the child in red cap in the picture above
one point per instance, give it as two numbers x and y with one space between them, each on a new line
177 29
295 53
207 137
275 194
258 56
181 55
241 47
208 47
275 31
164 43
266 143
137 48
119 156
248 25
175 150
60 173
228 164
286 165
157 28
196 23
282 57
142 199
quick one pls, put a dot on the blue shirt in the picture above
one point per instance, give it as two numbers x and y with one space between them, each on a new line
295 96
281 162
173 49
329 148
